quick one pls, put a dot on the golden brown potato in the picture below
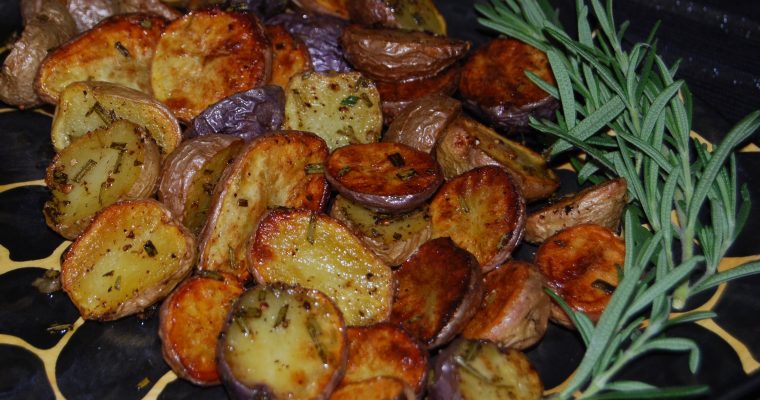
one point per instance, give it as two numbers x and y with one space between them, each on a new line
581 264
515 309
419 15
290 56
379 388
336 8
466 144
206 56
423 121
118 50
600 204
392 54
482 212
494 83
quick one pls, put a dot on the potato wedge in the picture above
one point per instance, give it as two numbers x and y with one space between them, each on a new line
472 370
418 15
290 56
439 289
380 388
86 106
466 144
384 350
600 204
98 169
282 342
393 54
341 108
336 8
515 309
191 321
190 174
423 121
118 50
385 176
303 247
269 172
495 85
482 212
581 265
206 56
132 255
392 237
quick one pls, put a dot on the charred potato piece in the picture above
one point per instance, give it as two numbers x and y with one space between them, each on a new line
132 255
471 370
321 34
97 170
515 309
393 237
47 25
483 212
600 204
341 108
290 56
385 350
581 264
392 54
86 106
387 177
379 388
206 56
191 321
418 15
119 50
336 8
311 249
87 13
466 144
190 174
271 171
495 85
445 83
439 290
282 342
422 122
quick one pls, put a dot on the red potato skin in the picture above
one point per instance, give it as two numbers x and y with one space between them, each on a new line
422 122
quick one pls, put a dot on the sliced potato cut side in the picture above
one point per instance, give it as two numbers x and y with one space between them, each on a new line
282 342
86 106
341 108
132 255
380 388
98 169
290 56
315 250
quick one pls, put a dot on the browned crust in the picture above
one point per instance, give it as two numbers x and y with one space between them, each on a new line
445 82
290 56
336 8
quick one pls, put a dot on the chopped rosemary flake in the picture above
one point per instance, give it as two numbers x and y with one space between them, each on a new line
119 159
397 159
118 146
60 177
463 207
123 50
343 171
105 115
59 328
231 255
242 203
314 169
472 351
282 313
604 286
466 367
150 249
143 383
313 329
240 322
85 169
349 101
211 275
406 175
262 295
311 230
109 273
117 284
146 23
367 100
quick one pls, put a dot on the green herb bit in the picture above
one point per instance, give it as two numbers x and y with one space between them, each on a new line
311 230
406 175
313 329
117 284
365 98
150 249
343 171
106 116
119 159
231 255
60 177
59 328
397 159
312 169
281 315
85 169
240 322
466 367
118 146
143 383
350 101
211 275
604 286
147 24
123 50
471 351
463 204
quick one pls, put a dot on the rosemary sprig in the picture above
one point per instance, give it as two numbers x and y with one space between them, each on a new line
604 88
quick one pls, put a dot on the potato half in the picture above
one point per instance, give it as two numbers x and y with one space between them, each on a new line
419 15
423 121
379 388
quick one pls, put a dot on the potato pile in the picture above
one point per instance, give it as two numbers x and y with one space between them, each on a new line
319 234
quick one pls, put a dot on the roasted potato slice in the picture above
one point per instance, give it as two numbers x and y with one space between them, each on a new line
206 56
495 85
444 82
321 34
132 255
87 13
385 350
439 289
282 342
515 309
303 247
422 122
119 50
190 174
471 370
393 237
290 56
336 8
97 170
86 106
393 54
418 15
466 144
483 212
385 176
191 321
379 388
581 265
600 204
271 171
341 108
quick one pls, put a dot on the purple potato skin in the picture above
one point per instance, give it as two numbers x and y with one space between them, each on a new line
445 384
246 114
321 34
